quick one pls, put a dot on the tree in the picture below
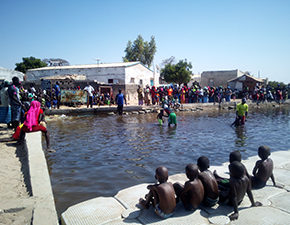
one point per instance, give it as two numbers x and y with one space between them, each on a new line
275 84
177 73
140 50
29 63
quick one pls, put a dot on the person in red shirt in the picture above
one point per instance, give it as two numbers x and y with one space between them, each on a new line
34 121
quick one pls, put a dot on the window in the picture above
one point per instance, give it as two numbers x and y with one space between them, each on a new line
110 81
141 82
132 81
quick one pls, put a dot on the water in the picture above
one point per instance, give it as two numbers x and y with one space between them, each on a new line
100 155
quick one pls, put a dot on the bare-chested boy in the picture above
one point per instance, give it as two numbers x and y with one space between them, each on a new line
263 169
211 193
234 156
240 184
192 193
161 196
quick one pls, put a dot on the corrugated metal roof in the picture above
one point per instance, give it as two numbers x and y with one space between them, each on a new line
254 78
101 65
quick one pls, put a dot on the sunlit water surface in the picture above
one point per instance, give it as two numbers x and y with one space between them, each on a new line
100 155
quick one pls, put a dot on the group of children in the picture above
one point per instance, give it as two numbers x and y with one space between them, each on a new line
207 188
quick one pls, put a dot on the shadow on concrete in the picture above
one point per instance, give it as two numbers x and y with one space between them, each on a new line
21 153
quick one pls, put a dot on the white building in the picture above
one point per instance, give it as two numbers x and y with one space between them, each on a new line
111 73
219 78
7 74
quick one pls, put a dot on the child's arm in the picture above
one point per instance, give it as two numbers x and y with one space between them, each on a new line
233 196
273 179
256 167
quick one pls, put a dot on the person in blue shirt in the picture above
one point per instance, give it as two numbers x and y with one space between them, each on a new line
120 98
57 92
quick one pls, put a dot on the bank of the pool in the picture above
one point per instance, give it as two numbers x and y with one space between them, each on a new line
123 207
110 110
44 208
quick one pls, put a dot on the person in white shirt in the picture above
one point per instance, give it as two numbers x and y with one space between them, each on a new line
89 89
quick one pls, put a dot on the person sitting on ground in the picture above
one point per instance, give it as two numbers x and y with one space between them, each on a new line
240 184
263 169
234 156
211 193
160 117
161 195
34 121
192 192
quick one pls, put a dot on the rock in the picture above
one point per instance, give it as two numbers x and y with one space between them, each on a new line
230 107
135 112
141 112
111 113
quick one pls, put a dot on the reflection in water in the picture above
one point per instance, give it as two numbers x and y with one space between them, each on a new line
241 136
100 155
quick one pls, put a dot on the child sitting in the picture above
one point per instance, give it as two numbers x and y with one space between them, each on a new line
234 156
240 184
211 193
192 193
161 195
263 169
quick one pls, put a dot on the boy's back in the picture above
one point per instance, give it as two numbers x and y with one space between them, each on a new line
166 195
194 191
238 188
209 183
265 169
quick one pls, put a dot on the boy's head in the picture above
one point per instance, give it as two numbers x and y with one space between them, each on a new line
235 156
203 163
236 169
264 152
191 171
161 174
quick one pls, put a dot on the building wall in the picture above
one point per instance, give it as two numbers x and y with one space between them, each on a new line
218 78
135 74
114 75
102 74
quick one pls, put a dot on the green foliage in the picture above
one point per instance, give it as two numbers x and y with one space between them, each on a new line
140 50
29 63
274 84
177 73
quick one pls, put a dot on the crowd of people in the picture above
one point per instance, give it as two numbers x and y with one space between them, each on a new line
196 94
21 109
208 188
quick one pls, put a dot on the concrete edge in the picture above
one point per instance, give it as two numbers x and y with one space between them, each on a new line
44 209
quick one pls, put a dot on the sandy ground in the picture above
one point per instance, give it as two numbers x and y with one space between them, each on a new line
16 204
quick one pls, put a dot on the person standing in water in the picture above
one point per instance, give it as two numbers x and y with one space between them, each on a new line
241 113
120 98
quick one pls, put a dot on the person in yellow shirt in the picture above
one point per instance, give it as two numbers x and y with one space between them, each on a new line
242 113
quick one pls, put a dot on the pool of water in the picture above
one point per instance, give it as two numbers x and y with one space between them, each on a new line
100 155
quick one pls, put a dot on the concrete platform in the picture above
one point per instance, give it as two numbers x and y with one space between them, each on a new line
123 207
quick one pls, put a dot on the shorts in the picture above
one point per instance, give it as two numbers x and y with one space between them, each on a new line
210 202
172 118
15 112
160 121
159 212
257 183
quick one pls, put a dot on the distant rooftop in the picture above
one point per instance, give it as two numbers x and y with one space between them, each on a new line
101 65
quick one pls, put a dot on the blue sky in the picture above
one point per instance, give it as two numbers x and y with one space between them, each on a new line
249 35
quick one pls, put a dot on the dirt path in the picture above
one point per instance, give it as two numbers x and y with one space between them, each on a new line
16 204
